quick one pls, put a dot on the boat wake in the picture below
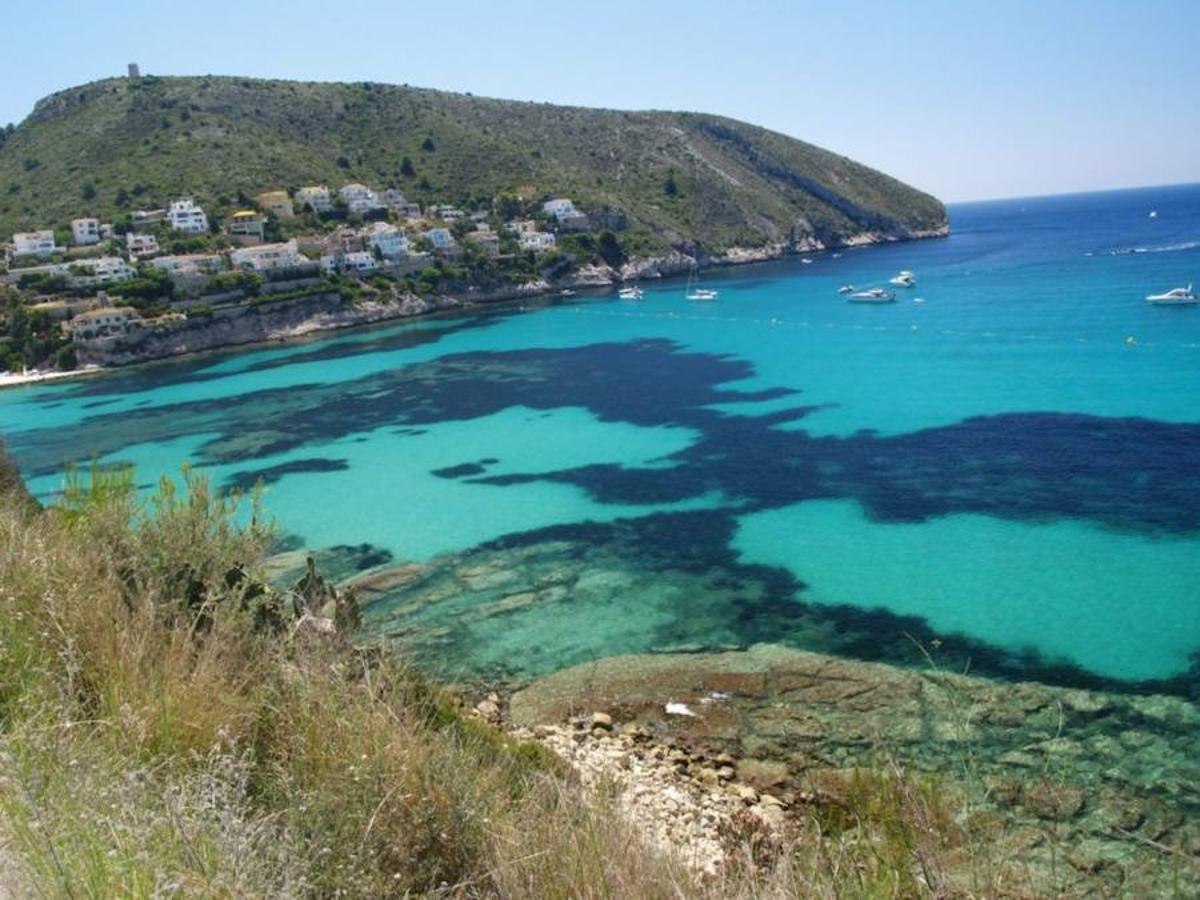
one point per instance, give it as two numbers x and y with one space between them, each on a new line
1165 248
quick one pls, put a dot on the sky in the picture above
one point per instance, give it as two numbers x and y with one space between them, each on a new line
966 99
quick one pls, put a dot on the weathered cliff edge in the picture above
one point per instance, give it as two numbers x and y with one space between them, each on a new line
1070 791
271 321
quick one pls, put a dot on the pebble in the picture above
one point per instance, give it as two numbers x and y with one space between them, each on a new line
676 814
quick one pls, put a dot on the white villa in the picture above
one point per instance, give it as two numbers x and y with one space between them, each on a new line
537 241
359 198
186 217
563 212
357 261
34 243
389 240
189 264
315 197
448 213
104 322
559 208
85 231
441 238
139 245
101 270
268 257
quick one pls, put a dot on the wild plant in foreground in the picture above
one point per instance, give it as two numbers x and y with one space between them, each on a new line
169 725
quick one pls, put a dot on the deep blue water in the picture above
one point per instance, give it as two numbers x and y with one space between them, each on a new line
1010 466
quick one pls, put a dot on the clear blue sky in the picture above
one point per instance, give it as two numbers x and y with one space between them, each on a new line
965 99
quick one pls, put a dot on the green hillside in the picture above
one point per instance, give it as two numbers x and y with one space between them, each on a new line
119 144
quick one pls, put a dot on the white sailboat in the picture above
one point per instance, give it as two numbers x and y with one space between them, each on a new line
694 291
1175 297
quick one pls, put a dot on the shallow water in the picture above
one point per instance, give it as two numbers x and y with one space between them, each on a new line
1010 467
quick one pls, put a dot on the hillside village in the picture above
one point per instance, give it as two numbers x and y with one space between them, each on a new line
74 291
157 216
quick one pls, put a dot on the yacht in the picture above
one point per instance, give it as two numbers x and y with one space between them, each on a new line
806 261
846 289
904 279
630 293
1176 296
566 292
874 295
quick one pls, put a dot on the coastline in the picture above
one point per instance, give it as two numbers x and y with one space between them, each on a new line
9 380
412 307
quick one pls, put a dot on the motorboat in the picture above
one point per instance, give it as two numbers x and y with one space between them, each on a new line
566 292
846 289
806 261
1154 213
904 279
630 293
1182 295
874 295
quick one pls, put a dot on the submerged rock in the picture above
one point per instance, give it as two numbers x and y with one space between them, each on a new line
1056 802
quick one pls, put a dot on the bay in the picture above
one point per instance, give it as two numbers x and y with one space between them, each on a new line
1006 461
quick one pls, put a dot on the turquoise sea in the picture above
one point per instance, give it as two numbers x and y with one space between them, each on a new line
1004 464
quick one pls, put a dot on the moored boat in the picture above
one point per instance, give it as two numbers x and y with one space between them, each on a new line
904 279
694 291
630 293
846 289
874 295
1174 297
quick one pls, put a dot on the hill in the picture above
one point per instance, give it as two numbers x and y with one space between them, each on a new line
119 144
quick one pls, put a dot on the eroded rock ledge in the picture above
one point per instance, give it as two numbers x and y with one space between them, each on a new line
1075 791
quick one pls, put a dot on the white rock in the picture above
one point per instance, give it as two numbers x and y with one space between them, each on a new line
679 709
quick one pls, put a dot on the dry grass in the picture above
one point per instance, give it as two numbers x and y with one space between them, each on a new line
161 735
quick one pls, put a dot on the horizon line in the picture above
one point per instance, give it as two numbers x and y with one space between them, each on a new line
1076 193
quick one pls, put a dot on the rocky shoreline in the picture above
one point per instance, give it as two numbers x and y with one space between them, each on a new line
264 323
1066 791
